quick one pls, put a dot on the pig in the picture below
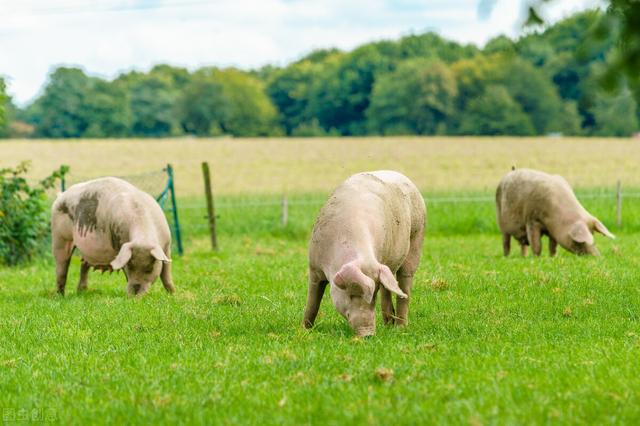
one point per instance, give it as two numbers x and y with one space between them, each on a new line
368 236
115 226
530 203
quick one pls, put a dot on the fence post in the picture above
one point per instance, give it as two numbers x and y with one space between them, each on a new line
284 217
174 210
210 209
619 204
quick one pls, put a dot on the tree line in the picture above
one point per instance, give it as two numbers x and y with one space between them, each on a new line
422 84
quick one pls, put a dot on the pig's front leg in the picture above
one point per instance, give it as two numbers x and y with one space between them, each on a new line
405 276
386 305
405 281
84 277
534 236
317 285
165 277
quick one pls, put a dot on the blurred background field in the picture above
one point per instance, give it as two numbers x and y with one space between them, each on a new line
317 165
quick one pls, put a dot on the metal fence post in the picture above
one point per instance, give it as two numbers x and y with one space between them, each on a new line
284 218
619 204
210 207
174 210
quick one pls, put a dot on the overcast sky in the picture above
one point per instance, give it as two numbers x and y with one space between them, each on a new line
106 37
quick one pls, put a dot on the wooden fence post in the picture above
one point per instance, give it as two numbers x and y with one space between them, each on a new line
619 204
210 209
284 217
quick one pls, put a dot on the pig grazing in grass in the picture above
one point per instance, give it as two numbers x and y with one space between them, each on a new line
115 226
368 236
530 204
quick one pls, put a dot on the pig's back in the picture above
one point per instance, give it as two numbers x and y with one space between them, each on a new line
524 193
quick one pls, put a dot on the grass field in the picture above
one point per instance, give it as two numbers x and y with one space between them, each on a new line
274 166
490 341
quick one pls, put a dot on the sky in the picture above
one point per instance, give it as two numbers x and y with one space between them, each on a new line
107 37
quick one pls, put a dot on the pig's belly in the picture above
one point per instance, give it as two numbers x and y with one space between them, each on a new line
95 247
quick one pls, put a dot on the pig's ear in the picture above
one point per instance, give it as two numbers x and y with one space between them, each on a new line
351 278
599 227
159 254
580 233
389 282
122 258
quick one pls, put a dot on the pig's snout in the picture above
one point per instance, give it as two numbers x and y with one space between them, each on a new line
366 331
136 289
363 326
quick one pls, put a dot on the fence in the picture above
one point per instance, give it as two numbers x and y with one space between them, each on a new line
159 184
446 214
291 214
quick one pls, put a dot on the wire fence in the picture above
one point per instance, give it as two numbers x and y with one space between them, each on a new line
295 213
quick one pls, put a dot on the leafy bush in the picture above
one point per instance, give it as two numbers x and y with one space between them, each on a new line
24 216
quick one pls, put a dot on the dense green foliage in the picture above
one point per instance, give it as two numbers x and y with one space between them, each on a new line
4 100
24 214
490 340
545 82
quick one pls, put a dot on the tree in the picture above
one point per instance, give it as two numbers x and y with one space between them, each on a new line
527 85
226 102
417 98
290 91
61 110
203 107
615 115
153 99
341 96
251 111
622 23
108 111
4 103
495 112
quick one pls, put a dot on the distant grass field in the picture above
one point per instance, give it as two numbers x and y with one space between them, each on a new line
490 341
317 165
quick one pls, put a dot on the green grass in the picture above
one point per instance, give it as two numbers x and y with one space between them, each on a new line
490 340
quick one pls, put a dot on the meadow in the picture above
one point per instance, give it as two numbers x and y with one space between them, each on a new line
491 340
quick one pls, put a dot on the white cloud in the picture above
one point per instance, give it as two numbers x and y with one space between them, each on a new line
37 35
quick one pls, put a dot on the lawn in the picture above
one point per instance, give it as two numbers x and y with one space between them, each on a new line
490 340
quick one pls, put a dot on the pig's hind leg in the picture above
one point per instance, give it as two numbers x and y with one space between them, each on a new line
62 250
506 244
317 285
553 246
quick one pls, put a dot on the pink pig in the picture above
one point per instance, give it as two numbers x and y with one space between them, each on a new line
115 226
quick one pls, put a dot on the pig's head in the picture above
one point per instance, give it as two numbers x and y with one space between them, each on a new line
142 264
354 295
580 237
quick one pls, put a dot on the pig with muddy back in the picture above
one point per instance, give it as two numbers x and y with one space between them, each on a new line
115 226
530 204
368 237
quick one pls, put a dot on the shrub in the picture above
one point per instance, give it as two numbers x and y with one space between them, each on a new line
24 216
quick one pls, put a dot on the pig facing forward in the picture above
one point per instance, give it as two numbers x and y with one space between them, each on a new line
115 226
368 236
530 204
